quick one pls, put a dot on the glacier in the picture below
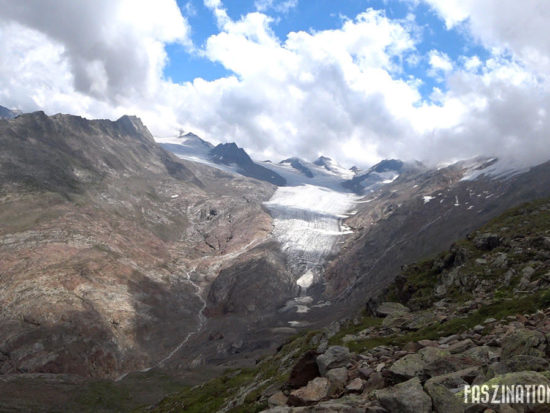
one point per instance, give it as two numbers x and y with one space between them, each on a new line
307 221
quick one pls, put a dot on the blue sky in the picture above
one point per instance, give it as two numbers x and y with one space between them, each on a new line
317 15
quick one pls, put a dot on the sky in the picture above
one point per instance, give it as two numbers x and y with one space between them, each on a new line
356 80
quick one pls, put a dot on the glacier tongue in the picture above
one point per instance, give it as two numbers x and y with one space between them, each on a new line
307 222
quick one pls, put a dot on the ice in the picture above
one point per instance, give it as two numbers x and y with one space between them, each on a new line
307 223
305 280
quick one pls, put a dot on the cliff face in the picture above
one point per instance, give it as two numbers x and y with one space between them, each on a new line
100 230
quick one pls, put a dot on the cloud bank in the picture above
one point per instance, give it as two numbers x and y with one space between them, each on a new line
344 92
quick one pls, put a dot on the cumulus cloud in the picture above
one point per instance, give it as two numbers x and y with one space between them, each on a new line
113 49
520 27
340 92
439 61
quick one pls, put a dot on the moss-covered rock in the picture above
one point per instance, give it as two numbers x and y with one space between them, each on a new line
523 342
406 397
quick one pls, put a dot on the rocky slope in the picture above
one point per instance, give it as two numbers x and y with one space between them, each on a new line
106 243
6 113
440 326
417 214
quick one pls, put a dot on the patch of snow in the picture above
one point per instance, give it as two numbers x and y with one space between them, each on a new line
298 323
490 167
302 309
390 179
174 196
305 280
456 201
427 198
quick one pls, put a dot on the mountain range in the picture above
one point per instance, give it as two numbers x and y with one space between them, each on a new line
129 261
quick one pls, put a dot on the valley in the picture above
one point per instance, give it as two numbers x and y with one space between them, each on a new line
124 263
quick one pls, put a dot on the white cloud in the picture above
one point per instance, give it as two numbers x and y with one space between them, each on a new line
340 92
113 49
519 26
439 61
279 6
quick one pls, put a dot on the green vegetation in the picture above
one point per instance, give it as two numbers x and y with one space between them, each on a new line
243 386
498 310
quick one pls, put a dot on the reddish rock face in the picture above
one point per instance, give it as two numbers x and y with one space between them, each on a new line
95 249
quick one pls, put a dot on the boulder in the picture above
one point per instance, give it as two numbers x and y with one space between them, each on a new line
397 320
431 354
422 319
388 307
277 399
482 354
449 364
415 364
443 400
304 370
316 390
355 386
406 397
487 241
461 346
408 366
518 363
338 377
335 356
376 381
456 380
523 342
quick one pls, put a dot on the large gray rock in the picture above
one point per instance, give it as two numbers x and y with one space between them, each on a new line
414 364
523 342
316 390
487 241
389 307
461 346
398 320
406 397
408 366
338 377
456 380
335 356
443 400
482 354
518 363
277 399
422 319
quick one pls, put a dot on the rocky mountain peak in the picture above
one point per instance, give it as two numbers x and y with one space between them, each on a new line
228 153
299 165
388 165
323 161
134 126
6 113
